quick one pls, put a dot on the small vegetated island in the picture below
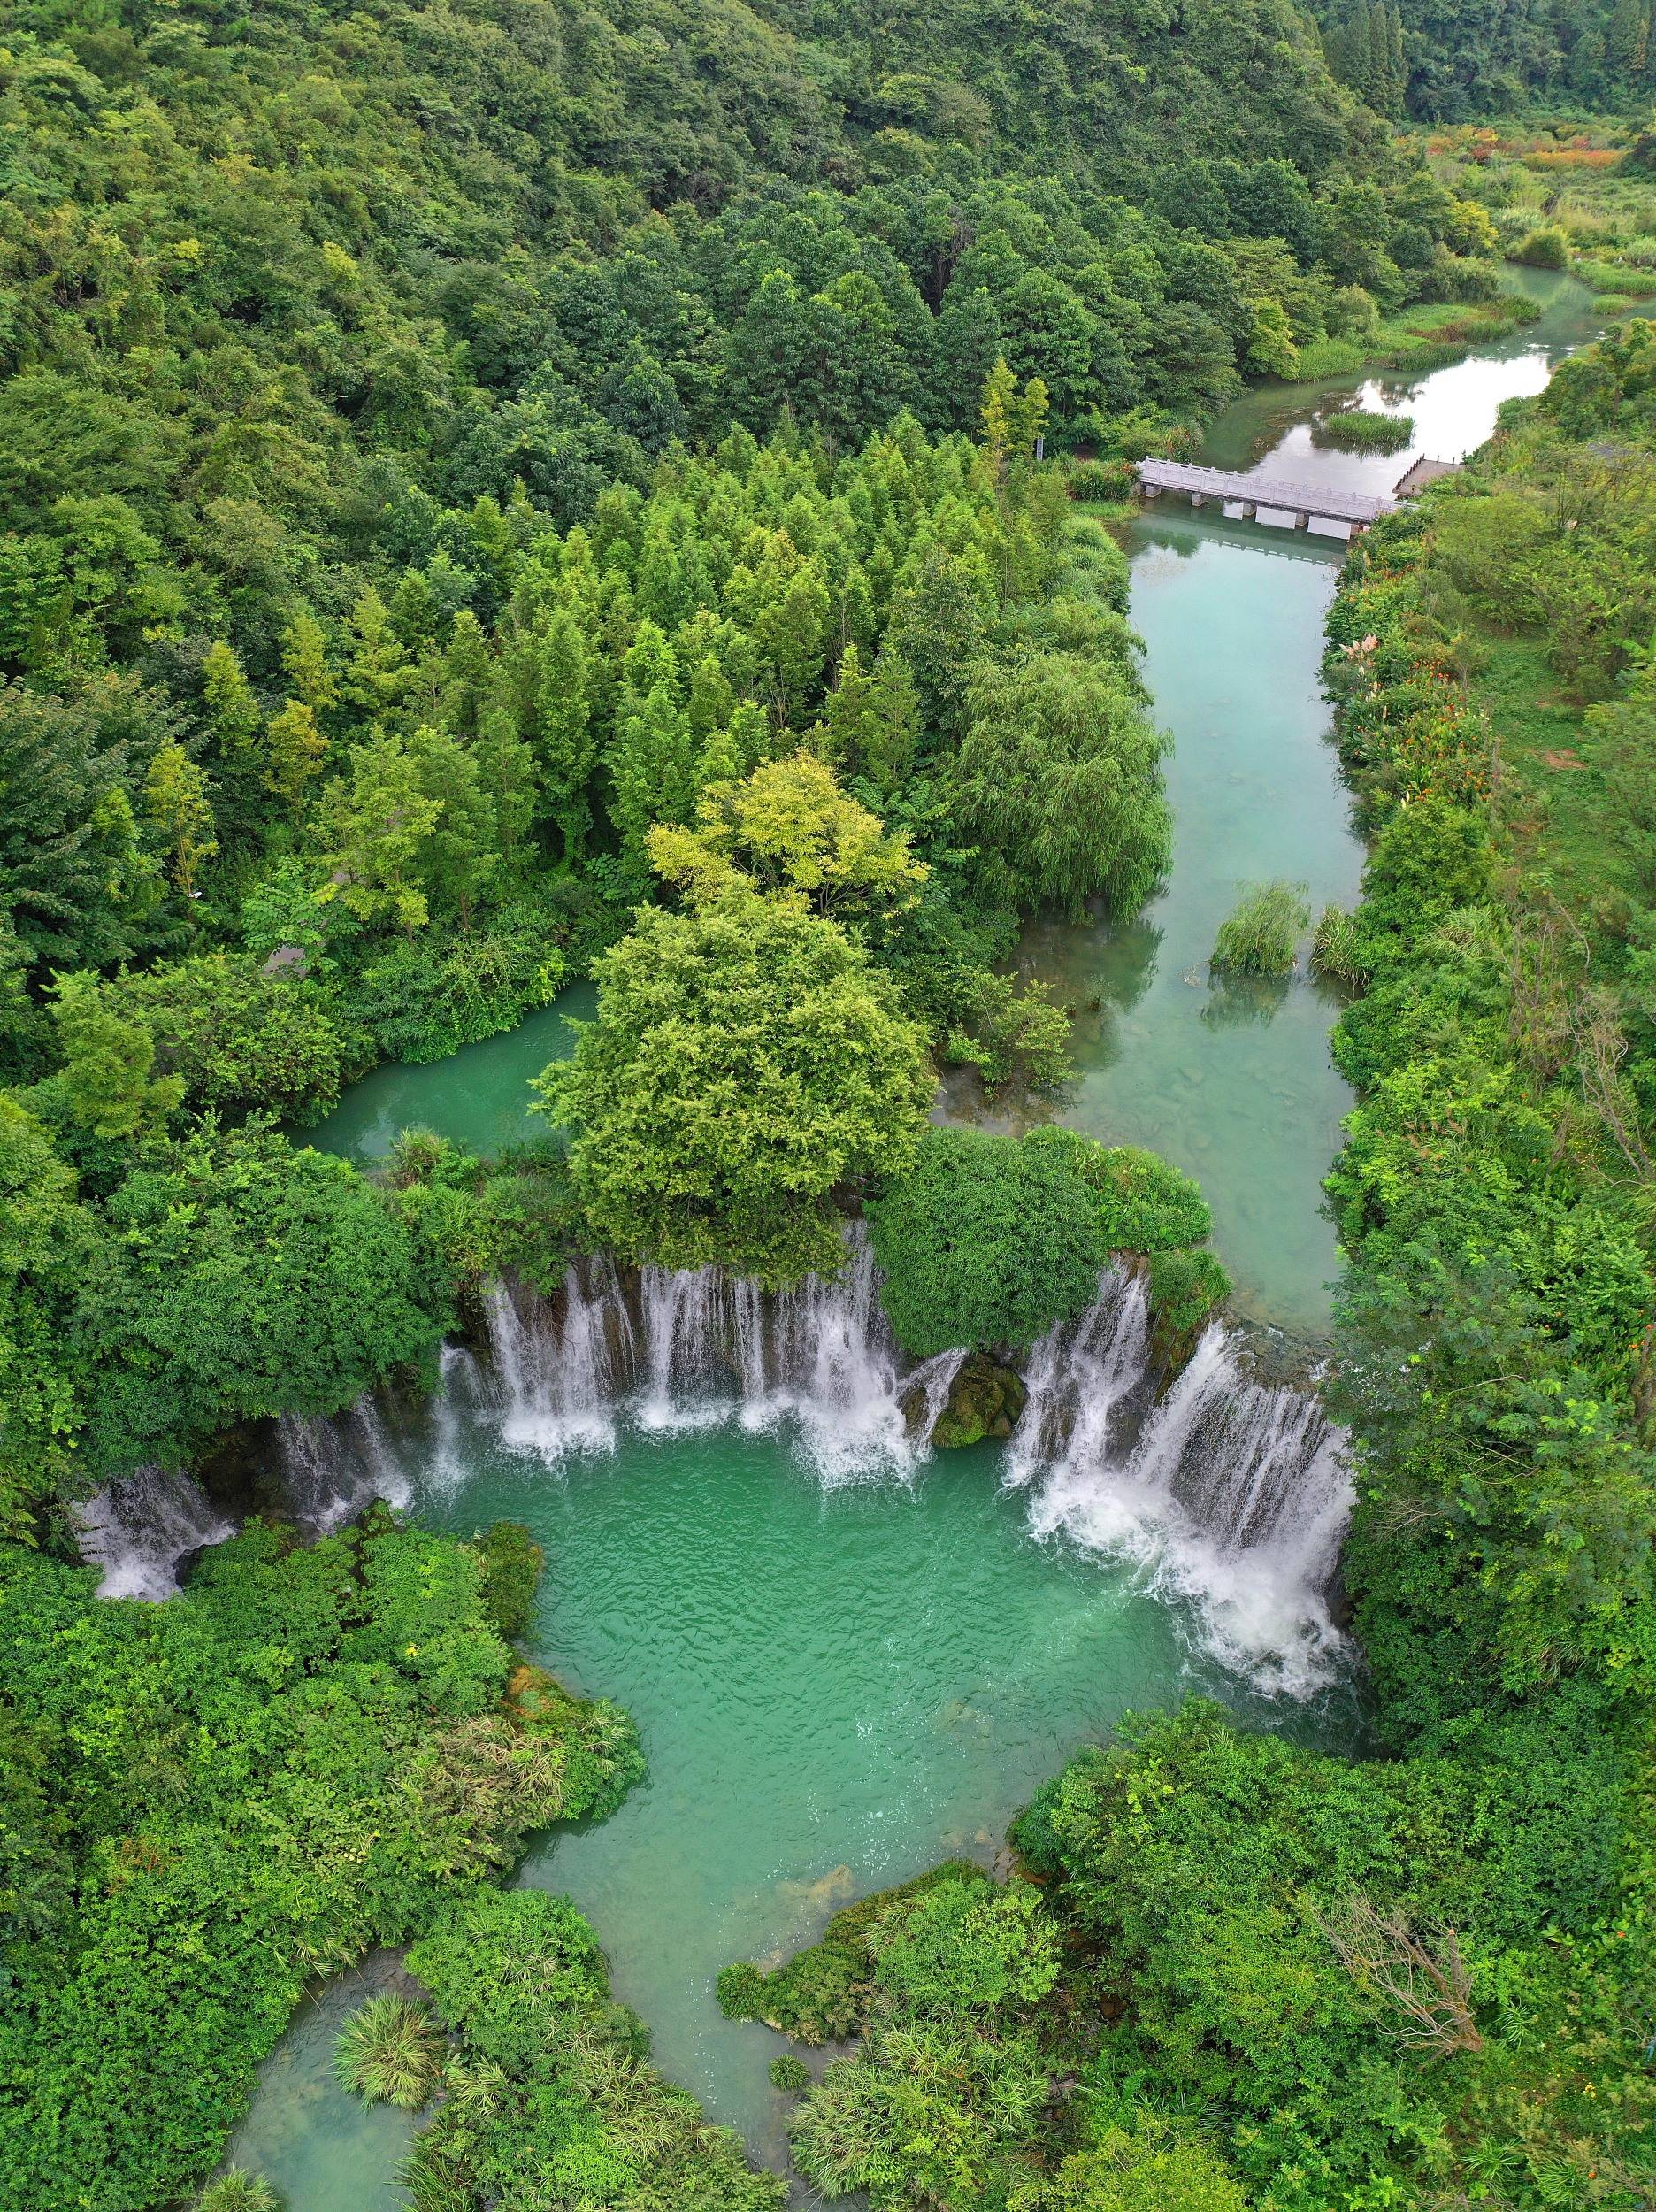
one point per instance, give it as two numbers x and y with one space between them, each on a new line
494 494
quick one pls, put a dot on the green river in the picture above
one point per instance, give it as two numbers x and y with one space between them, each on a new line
845 1668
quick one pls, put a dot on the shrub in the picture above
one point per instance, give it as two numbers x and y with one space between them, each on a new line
789 2073
389 2053
1337 948
1152 2169
821 1994
1100 480
1186 1290
1013 1036
512 1562
551 2101
1144 1203
1357 431
987 1240
1546 247
238 2190
1263 935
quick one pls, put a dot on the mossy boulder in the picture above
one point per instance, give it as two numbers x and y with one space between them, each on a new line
985 1398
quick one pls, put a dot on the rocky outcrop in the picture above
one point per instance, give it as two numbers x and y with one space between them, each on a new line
985 1398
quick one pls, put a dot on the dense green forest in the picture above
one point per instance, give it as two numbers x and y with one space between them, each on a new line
1455 63
495 493
439 448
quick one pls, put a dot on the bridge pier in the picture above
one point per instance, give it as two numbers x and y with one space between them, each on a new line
1248 511
1302 521
1199 499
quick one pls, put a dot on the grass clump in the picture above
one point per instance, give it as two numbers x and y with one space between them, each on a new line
238 2190
1336 949
1358 430
789 2073
389 2053
1546 247
1261 936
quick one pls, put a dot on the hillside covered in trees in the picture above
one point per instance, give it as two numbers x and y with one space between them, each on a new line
501 491
437 445
1450 63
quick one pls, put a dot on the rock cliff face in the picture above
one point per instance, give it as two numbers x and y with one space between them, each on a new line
985 1398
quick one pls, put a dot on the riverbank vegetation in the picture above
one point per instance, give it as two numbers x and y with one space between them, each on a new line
1424 1978
209 1802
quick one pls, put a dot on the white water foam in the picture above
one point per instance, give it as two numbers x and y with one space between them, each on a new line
139 1528
333 1468
697 1348
1229 1494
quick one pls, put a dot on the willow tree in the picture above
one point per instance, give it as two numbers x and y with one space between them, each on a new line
1059 775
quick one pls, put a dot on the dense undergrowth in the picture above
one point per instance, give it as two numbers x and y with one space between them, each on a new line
206 1803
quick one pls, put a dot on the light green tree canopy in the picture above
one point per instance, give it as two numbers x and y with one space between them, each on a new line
788 829
746 1059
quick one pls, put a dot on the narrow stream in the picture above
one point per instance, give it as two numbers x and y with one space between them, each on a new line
1232 1080
847 1663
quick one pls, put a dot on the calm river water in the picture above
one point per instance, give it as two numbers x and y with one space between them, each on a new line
838 1684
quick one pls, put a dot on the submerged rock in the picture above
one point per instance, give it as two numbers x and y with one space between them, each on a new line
985 1398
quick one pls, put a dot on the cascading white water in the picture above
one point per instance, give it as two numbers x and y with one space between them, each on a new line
138 1530
694 1348
333 1469
559 1365
1232 1494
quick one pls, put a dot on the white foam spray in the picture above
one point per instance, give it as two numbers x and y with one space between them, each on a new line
139 1528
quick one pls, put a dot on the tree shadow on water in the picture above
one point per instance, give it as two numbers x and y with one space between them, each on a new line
1244 1001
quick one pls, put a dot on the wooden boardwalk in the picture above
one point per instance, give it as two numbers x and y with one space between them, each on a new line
1301 501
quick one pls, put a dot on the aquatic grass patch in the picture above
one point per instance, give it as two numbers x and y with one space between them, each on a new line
1337 948
238 2190
1359 430
1261 934
1617 276
389 2053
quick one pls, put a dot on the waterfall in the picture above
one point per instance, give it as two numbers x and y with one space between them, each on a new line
696 1348
142 1527
558 1364
1228 1494
333 1468
1081 1378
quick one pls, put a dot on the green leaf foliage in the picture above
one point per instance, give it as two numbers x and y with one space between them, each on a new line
746 1059
549 2104
987 1240
238 1277
215 1799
